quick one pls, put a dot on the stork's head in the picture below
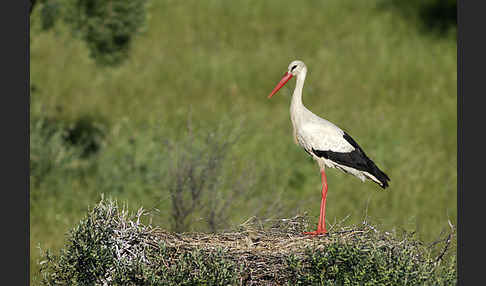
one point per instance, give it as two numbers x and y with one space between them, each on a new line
296 68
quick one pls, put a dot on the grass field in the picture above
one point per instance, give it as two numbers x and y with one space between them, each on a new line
375 74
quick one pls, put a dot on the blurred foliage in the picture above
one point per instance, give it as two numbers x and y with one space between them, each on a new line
188 176
87 133
434 15
199 179
49 151
50 13
107 26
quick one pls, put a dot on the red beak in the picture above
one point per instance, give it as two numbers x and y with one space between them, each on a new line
287 76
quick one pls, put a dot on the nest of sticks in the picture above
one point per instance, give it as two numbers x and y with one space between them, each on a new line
260 247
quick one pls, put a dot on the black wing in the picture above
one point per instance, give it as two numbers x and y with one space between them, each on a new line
355 159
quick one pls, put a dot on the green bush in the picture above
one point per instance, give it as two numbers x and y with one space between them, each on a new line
107 27
433 15
49 151
60 150
111 246
370 261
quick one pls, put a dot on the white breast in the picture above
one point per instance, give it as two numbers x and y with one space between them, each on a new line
313 132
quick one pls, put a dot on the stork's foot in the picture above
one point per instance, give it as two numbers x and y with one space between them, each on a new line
317 232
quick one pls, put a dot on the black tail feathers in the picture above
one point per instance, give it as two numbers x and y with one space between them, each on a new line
379 174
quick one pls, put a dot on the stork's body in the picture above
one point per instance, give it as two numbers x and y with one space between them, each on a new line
328 145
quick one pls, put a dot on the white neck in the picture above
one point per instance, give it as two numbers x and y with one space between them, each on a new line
296 106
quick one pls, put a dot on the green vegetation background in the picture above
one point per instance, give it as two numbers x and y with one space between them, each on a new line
382 76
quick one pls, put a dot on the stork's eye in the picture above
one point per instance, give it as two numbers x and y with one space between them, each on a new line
293 68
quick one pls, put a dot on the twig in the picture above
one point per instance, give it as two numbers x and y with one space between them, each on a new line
448 242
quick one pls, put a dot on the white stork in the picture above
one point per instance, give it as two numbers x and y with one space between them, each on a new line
327 144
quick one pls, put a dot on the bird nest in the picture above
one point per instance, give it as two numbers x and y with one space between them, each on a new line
255 236
262 247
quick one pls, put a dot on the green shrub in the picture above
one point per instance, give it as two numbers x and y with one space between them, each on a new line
110 246
433 15
59 150
107 27
49 151
369 260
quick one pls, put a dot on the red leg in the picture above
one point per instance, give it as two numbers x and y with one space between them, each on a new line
321 226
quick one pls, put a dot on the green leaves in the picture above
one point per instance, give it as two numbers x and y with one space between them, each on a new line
371 259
